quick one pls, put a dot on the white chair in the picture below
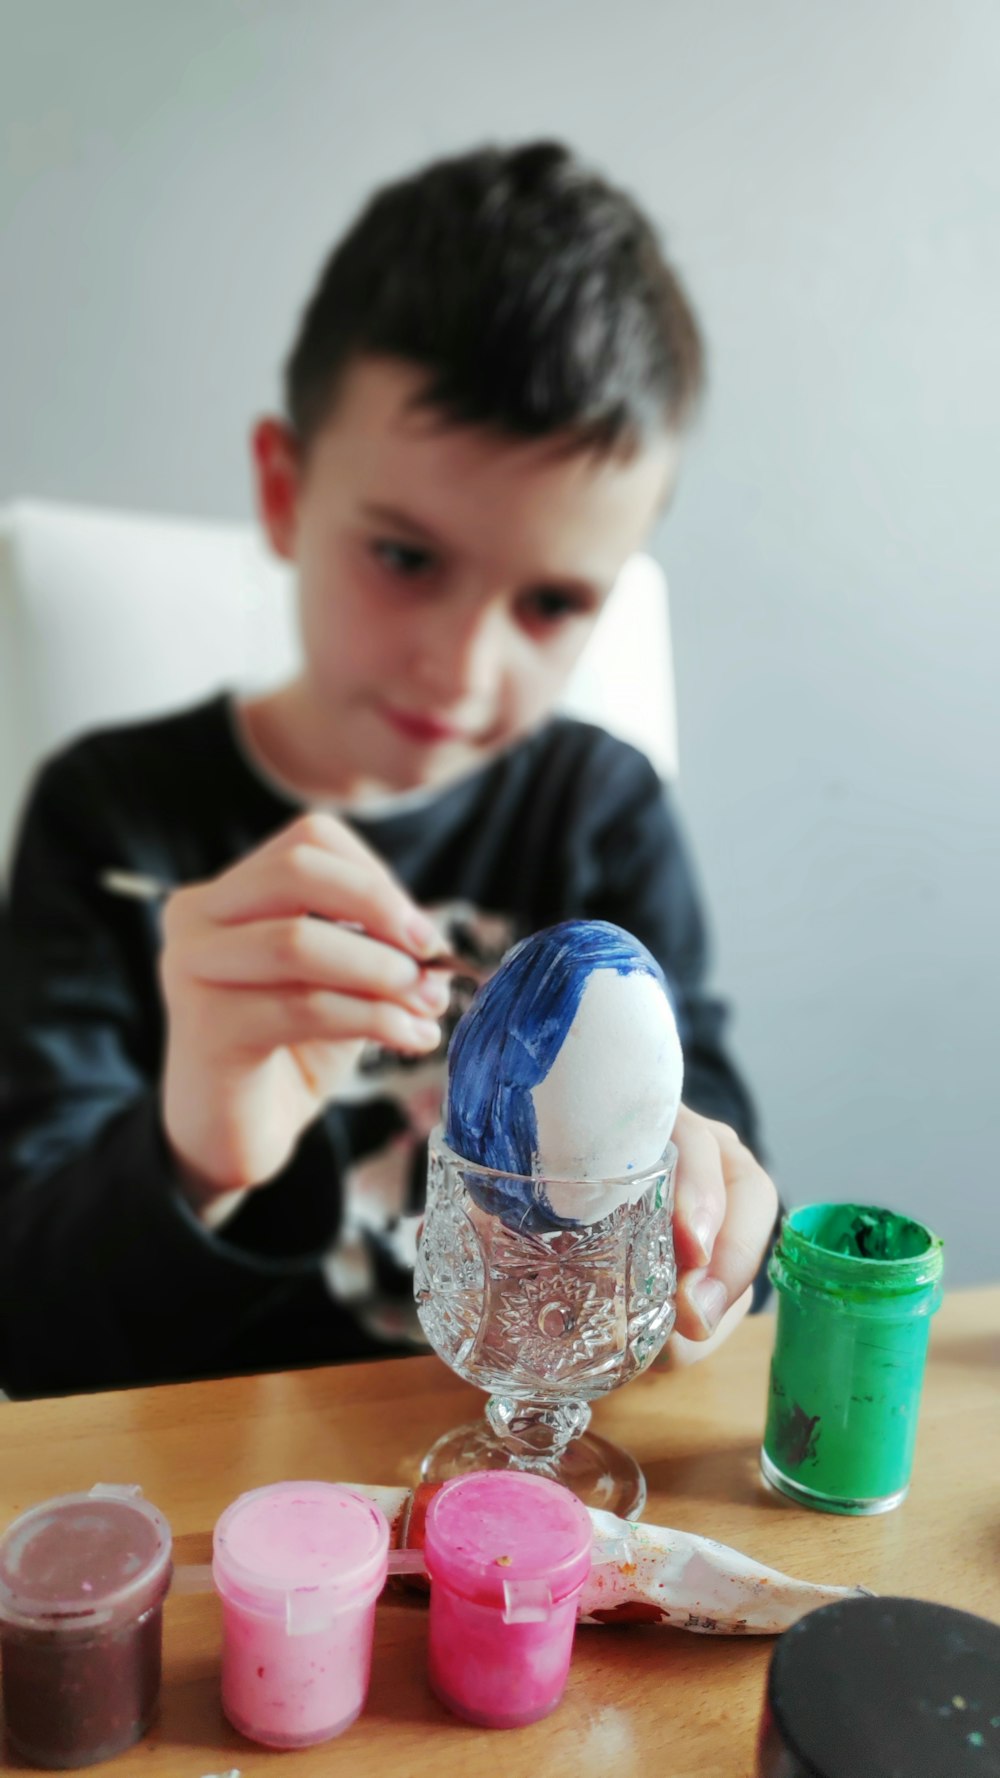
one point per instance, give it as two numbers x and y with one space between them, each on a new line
107 616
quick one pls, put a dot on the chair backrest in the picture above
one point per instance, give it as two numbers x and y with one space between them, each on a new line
108 616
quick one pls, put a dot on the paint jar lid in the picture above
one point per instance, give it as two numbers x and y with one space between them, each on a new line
81 1561
519 1542
303 1551
868 1687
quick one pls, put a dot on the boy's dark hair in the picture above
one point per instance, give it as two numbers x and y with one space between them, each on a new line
534 295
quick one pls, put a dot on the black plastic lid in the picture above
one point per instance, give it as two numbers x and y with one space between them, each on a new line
884 1688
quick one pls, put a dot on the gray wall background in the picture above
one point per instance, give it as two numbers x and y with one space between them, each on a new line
828 176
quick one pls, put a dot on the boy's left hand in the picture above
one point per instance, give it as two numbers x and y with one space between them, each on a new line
724 1212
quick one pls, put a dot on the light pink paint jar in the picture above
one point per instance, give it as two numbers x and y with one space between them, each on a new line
298 1567
507 1554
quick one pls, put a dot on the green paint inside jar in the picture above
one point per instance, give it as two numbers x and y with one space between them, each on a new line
856 1287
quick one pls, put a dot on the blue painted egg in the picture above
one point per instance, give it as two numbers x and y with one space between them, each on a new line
566 1071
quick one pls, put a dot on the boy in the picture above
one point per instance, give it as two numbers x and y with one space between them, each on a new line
211 1137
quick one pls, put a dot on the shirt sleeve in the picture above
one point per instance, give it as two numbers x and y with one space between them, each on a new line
641 876
106 1276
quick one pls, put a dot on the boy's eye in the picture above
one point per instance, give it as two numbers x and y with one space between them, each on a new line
549 606
407 560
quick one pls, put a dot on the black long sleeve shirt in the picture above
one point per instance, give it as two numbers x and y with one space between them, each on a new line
106 1276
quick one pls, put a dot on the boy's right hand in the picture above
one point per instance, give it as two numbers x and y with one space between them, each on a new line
268 1006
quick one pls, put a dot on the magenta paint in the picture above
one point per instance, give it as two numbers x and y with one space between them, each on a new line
507 1554
82 1583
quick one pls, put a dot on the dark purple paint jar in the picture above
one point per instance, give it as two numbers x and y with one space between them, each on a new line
82 1583
883 1688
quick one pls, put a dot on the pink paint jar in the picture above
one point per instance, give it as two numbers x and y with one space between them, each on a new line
82 1584
298 1567
507 1554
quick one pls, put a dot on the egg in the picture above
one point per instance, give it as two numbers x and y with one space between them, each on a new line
567 1072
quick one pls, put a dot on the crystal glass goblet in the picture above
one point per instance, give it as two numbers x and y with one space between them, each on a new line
545 1320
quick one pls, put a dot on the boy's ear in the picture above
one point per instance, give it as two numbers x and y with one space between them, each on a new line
276 478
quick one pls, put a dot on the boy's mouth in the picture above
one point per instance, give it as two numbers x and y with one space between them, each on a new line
425 730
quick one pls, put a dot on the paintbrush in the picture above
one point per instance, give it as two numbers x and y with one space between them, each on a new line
134 886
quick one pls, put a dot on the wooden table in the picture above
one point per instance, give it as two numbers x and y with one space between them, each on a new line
635 1696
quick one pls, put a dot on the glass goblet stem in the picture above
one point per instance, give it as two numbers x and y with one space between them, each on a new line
536 1432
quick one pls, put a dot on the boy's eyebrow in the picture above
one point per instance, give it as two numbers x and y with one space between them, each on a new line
398 520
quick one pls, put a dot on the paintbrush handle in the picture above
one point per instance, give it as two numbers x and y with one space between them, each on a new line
135 886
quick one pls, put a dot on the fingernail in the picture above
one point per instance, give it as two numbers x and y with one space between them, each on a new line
432 991
704 1234
426 1033
422 934
710 1299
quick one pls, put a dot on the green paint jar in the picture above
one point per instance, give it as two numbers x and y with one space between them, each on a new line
856 1289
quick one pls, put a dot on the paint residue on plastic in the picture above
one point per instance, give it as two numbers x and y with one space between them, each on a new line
864 1233
796 1435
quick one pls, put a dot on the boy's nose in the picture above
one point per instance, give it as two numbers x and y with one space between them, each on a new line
460 658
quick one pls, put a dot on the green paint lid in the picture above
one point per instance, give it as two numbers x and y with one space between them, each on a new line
883 1688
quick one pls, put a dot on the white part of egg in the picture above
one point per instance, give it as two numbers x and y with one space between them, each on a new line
608 1104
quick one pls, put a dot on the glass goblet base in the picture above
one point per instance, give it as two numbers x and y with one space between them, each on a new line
598 1472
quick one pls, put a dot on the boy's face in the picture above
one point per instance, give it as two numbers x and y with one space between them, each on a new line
448 578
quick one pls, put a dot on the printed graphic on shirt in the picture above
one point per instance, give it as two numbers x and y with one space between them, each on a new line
389 1109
